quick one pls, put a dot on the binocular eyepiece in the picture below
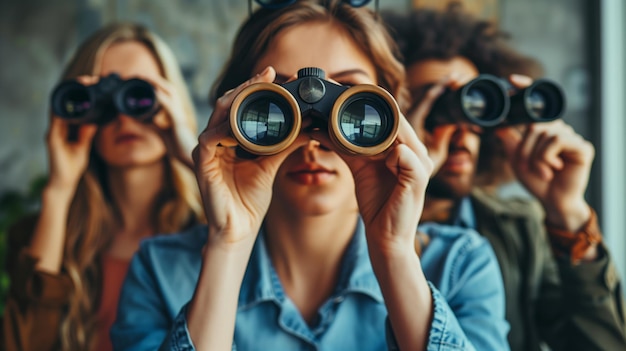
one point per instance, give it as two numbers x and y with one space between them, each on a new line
489 101
101 102
265 118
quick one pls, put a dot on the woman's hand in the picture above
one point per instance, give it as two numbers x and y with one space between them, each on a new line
236 192
68 160
174 120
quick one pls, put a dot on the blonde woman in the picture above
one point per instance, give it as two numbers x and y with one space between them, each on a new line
116 184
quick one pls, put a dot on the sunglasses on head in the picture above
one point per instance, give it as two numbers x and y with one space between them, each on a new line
276 4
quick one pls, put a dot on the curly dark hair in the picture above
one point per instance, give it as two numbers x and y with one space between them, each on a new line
431 34
423 34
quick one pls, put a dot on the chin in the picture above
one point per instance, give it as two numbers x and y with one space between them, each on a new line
446 189
132 161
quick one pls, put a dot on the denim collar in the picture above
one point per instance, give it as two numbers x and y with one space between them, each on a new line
356 275
464 216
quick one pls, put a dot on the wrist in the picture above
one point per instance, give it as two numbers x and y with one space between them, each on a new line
228 242
58 194
578 245
386 258
571 218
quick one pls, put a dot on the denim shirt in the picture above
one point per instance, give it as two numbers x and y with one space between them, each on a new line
464 278
465 217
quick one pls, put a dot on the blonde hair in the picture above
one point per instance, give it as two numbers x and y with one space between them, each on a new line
92 215
363 26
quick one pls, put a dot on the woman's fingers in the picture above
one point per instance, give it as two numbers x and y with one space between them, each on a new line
222 106
218 128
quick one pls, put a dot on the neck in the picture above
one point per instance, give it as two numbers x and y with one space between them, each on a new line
306 252
437 209
134 191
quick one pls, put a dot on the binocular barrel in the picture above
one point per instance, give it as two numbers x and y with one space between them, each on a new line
101 102
265 118
489 101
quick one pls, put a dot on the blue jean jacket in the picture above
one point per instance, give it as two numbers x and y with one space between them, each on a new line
460 265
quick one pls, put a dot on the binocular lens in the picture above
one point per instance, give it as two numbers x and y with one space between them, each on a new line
365 121
138 100
72 101
265 120
544 102
483 101
474 102
537 104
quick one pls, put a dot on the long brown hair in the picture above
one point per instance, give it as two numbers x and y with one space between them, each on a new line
92 214
368 33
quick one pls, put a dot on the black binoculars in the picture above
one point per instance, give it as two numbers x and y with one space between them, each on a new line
489 101
101 102
265 118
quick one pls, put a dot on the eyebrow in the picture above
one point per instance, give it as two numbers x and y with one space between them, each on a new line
282 78
350 72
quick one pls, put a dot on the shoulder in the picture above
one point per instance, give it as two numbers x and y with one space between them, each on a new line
163 250
485 203
456 255
450 236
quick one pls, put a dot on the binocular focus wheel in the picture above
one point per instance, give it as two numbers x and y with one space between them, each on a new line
294 113
334 127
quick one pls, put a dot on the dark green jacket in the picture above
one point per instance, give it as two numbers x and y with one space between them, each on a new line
549 301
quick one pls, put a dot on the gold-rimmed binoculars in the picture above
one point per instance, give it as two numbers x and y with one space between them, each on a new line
265 118
489 101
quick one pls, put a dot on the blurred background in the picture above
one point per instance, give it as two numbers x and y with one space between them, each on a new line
579 42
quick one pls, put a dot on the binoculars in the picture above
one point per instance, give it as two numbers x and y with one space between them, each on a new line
489 101
101 102
265 118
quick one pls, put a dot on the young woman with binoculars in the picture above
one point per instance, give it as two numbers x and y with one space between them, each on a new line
312 247
122 177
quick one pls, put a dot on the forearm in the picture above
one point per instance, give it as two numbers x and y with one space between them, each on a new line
407 296
213 308
48 240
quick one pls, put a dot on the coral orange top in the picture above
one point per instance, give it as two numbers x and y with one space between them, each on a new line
113 274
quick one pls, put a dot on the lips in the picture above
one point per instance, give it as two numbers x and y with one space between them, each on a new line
459 161
311 174
126 138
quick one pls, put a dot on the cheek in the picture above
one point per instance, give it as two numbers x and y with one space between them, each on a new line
102 141
156 145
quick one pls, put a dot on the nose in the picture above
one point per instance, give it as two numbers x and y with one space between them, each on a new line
461 131
123 119
311 150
